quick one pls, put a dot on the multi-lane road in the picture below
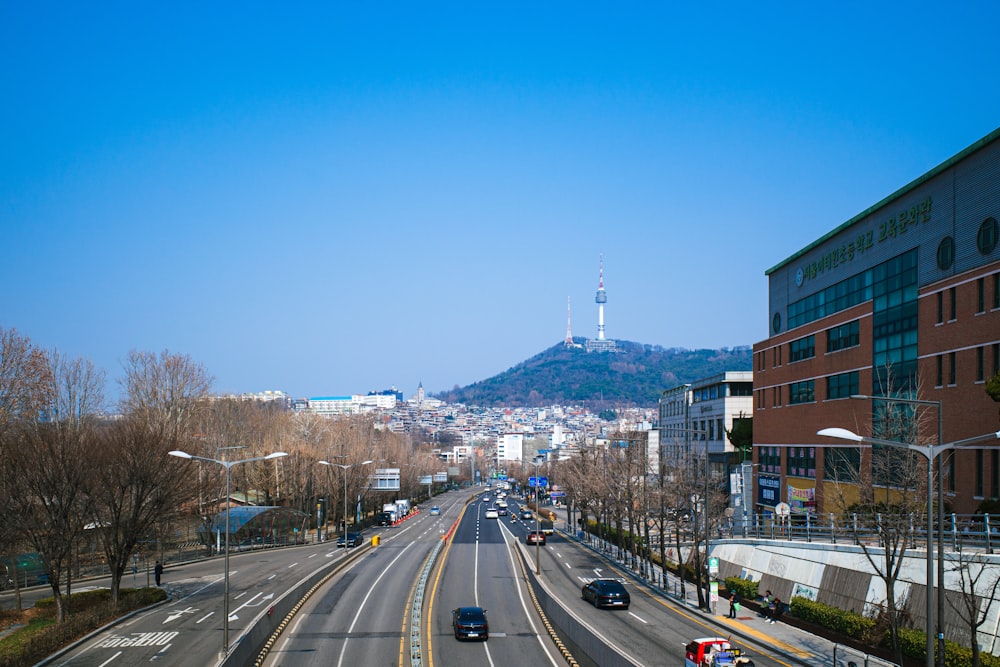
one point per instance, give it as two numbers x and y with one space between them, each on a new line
361 615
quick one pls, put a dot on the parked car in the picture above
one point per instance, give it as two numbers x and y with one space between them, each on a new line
492 513
470 623
535 537
609 593
353 540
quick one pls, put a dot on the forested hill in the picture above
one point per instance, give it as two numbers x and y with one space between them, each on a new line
636 375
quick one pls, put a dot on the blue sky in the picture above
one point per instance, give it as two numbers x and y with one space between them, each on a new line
326 199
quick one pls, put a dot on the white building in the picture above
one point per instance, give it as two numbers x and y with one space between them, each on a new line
510 447
692 415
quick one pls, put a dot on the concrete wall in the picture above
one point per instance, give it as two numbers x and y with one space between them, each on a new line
842 576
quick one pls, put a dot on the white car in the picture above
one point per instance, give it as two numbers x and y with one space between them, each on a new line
501 503
492 513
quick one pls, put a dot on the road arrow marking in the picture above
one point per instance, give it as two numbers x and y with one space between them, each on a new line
180 612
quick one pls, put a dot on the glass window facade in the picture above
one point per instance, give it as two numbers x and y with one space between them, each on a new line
842 337
894 324
802 392
850 292
843 385
803 348
801 462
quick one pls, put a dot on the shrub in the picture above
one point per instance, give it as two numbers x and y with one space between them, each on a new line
845 622
746 589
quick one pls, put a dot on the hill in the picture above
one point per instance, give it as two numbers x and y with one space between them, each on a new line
636 375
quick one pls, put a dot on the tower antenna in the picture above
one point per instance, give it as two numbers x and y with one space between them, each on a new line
601 299
569 333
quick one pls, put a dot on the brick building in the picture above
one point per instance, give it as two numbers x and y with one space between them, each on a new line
902 298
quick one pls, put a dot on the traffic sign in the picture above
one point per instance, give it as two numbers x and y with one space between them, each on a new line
540 482
557 494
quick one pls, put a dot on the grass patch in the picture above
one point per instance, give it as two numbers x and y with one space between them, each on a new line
39 636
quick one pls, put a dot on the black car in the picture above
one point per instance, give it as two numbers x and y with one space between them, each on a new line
606 593
470 623
353 539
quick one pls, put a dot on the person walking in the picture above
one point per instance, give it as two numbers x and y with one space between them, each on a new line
158 572
734 604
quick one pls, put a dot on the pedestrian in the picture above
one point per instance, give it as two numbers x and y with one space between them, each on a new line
734 604
158 572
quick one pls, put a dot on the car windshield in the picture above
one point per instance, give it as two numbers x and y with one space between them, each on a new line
470 615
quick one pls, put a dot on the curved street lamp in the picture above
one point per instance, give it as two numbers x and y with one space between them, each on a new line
227 465
345 467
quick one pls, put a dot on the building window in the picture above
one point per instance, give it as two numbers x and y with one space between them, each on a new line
979 473
803 348
980 364
801 462
770 459
949 460
994 473
946 253
940 370
844 336
802 392
894 324
841 463
981 295
940 307
850 292
776 397
996 358
954 304
996 290
986 239
844 385
952 373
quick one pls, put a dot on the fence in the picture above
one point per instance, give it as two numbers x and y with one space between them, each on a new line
972 532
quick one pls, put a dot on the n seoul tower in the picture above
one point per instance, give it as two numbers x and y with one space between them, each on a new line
600 300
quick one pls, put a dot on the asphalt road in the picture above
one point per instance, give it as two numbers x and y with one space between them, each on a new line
361 616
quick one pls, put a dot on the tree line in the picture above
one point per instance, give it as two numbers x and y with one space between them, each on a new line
75 471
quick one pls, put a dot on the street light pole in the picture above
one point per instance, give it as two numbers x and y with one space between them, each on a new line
227 465
930 452
931 592
344 467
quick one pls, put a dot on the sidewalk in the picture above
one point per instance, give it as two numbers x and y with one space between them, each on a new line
790 642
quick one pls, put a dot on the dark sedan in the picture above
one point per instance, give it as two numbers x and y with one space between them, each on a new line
608 593
470 623
353 540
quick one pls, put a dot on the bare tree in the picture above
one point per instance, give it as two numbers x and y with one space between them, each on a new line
25 378
26 386
163 391
977 591
139 485
888 491
49 469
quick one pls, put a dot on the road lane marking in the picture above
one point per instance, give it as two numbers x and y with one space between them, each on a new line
638 618
371 589
109 660
205 617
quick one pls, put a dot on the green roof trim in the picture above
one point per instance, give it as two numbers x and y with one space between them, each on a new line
947 164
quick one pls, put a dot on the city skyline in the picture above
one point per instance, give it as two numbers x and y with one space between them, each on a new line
331 200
